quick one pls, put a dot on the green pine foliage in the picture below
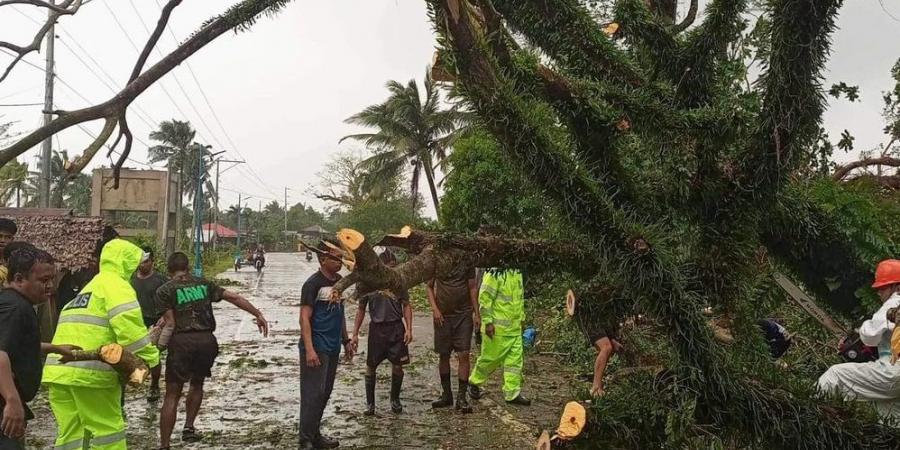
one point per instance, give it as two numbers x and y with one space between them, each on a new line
690 186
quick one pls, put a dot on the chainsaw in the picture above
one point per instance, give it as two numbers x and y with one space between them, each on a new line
850 347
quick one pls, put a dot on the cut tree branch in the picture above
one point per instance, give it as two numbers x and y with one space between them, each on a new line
68 7
688 19
239 16
438 255
841 172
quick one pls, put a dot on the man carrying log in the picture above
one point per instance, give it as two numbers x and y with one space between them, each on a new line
323 328
145 282
31 275
390 332
85 395
454 305
193 347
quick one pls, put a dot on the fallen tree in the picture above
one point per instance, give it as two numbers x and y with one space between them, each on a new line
672 178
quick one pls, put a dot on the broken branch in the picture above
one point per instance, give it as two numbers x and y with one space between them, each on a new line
130 367
841 172
68 7
237 17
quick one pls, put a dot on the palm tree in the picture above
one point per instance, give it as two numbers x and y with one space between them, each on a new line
14 182
411 132
62 186
179 151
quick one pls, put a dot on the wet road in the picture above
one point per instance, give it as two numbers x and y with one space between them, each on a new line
253 398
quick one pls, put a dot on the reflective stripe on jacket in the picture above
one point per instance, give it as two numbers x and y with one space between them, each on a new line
106 311
502 301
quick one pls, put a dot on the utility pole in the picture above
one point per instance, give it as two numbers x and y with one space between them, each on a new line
285 210
216 213
198 204
47 149
240 213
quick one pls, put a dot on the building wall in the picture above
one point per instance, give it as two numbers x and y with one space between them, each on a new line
142 205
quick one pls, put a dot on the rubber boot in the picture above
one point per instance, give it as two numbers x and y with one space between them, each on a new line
462 401
446 399
396 385
370 395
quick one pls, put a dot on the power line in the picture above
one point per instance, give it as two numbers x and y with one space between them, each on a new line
138 51
22 104
216 116
138 110
177 80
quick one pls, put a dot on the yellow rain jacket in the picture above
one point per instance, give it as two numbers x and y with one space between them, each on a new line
106 311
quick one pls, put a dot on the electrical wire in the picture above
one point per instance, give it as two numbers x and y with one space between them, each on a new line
177 80
216 116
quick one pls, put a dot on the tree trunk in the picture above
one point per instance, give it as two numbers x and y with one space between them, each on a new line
429 175
440 254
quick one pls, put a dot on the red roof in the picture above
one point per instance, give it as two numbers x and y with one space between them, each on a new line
220 230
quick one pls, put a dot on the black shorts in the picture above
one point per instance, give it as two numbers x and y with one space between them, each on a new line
191 356
386 342
593 332
455 335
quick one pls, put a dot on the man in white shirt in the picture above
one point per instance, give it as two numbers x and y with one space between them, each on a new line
877 381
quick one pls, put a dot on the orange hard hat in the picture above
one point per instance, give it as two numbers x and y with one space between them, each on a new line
887 273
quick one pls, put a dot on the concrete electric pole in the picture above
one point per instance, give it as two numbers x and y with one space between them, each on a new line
47 148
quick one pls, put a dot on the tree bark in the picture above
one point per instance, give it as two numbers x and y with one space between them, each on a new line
130 367
429 176
441 254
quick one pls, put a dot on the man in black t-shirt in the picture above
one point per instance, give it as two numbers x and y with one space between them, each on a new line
193 347
390 332
31 275
454 306
145 281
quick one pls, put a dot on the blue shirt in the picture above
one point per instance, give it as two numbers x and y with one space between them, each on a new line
327 318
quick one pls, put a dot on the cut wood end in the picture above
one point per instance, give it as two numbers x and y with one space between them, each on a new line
623 125
139 376
570 302
611 29
404 233
350 239
111 353
572 421
543 442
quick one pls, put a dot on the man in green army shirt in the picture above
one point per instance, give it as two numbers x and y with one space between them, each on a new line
193 347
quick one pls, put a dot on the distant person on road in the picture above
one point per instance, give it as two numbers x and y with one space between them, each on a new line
454 305
145 283
323 328
390 332
8 230
193 347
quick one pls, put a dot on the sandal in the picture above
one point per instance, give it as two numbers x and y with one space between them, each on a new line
190 434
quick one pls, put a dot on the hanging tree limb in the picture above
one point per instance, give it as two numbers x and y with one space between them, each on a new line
239 17
841 172
67 7
689 18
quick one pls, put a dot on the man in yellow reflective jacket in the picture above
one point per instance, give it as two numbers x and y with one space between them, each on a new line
502 303
85 395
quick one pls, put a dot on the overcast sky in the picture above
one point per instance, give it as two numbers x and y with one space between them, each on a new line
282 90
